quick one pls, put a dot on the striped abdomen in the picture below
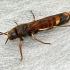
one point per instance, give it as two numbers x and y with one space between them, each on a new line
49 22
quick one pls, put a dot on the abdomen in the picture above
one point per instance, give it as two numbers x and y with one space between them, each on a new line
49 22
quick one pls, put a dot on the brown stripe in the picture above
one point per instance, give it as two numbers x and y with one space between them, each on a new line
50 23
54 21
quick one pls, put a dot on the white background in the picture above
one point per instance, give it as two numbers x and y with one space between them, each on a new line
36 56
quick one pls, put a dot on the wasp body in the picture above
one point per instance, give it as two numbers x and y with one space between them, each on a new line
29 29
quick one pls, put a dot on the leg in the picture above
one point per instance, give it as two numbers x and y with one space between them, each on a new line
20 48
32 14
16 23
38 39
62 26
43 29
54 27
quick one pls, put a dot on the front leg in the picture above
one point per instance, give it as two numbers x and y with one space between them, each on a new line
20 47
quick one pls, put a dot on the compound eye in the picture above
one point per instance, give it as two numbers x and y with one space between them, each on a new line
13 35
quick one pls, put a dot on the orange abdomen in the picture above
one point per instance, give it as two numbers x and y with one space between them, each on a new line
49 22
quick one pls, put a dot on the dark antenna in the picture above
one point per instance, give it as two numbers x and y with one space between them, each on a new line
6 41
1 33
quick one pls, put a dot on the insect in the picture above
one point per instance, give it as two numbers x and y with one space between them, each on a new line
31 28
